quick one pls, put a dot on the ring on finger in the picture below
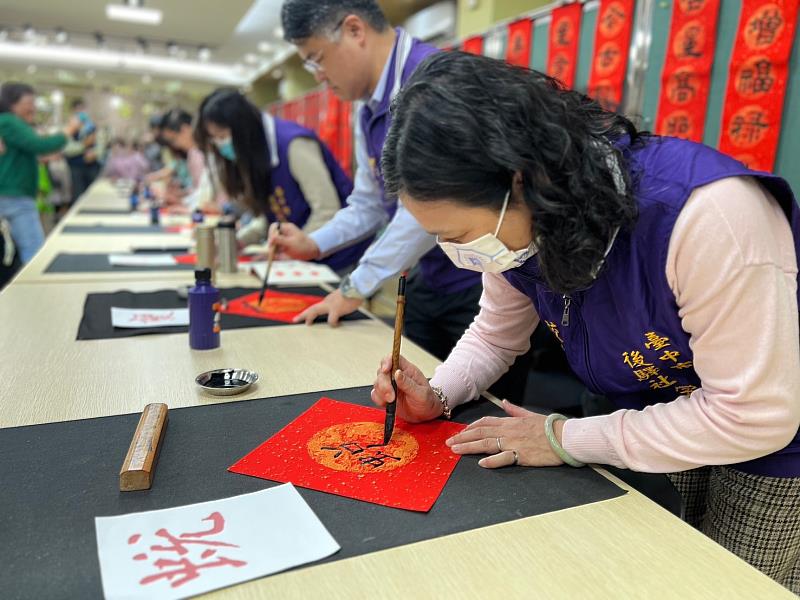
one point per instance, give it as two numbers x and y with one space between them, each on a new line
499 446
516 457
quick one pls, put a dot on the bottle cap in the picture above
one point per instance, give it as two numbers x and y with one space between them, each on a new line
202 275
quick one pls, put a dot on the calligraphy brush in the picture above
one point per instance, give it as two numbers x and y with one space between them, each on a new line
270 258
391 409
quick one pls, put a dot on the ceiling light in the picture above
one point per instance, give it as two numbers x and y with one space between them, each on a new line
264 47
115 102
57 97
61 36
134 14
204 54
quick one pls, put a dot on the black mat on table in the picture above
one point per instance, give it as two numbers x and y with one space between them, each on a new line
111 229
96 320
105 211
98 263
58 477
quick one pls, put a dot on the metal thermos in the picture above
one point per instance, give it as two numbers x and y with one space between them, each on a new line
226 243
206 249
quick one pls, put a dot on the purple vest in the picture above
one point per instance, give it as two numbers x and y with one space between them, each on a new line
438 272
287 198
622 335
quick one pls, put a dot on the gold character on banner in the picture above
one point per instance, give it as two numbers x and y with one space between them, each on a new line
683 365
690 41
748 126
679 124
560 66
680 87
690 7
764 27
685 390
612 20
755 77
564 33
608 58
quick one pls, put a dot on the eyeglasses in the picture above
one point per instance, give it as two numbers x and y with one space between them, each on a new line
314 65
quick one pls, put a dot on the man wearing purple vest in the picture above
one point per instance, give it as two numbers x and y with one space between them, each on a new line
349 45
667 270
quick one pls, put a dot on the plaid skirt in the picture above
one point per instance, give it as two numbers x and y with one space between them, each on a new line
755 517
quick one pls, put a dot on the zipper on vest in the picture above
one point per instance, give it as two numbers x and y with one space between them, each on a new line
565 314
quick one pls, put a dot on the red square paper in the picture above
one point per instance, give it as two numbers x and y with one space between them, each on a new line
277 306
336 447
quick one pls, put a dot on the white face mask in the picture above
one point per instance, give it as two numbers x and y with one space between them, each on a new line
487 254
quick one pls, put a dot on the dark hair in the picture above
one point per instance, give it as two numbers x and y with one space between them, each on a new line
11 93
302 19
249 176
464 125
175 119
155 121
76 103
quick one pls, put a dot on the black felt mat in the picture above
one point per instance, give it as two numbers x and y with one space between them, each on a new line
96 321
98 263
112 229
57 477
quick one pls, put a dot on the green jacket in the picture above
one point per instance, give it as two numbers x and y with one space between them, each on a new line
19 168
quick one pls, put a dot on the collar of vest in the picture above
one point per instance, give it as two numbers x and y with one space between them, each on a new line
400 53
272 139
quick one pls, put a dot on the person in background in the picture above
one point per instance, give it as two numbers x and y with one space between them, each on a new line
279 171
154 145
350 46
19 167
177 132
81 151
667 270
124 162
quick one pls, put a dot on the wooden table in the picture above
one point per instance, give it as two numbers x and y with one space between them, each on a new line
627 547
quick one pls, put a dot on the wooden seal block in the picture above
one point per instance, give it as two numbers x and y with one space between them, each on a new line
138 470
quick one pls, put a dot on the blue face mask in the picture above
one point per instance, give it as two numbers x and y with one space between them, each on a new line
226 148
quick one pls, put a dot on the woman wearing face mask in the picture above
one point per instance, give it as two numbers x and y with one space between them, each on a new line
667 270
277 169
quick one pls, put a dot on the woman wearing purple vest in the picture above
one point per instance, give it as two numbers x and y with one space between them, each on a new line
667 270
279 170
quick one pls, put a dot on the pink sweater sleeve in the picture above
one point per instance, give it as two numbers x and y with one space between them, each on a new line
732 268
500 332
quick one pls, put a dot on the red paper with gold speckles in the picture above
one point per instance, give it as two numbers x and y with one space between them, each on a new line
336 447
277 306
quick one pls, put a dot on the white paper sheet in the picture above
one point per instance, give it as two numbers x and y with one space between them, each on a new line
141 260
188 550
295 272
135 318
